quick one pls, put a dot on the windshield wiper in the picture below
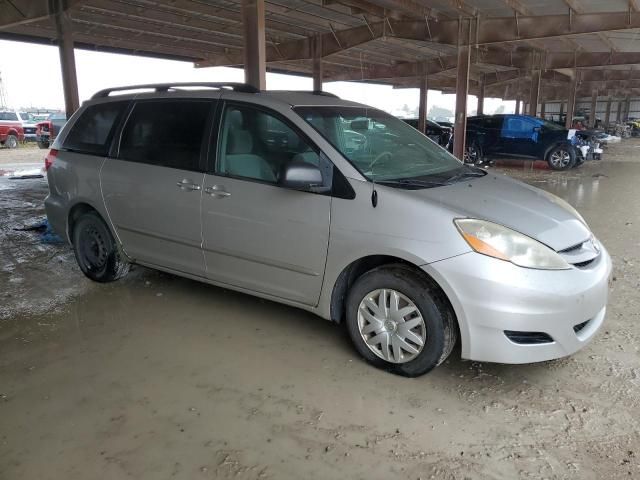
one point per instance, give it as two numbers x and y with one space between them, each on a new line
408 182
471 173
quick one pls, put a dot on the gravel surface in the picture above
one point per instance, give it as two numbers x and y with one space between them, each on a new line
157 376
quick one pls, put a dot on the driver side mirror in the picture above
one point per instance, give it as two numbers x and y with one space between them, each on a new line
302 176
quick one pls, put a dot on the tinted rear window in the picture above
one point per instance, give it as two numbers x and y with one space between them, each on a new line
167 133
92 132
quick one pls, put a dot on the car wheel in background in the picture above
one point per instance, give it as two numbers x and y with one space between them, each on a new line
11 141
96 250
399 321
561 157
42 144
472 154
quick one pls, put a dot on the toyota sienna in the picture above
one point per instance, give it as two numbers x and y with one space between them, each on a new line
333 207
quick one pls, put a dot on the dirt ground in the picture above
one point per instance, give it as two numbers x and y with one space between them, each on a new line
160 377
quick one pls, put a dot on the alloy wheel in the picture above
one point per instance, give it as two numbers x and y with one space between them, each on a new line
471 154
391 325
560 158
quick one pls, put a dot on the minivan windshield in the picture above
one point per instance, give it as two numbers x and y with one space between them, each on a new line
384 148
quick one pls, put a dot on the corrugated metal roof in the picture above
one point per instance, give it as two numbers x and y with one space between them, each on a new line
211 30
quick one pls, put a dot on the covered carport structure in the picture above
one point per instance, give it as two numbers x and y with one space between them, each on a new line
530 51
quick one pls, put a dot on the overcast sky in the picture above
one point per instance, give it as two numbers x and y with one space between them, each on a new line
31 78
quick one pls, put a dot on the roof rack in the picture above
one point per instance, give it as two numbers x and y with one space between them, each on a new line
164 87
310 92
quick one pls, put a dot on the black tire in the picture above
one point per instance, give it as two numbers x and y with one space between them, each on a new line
473 154
561 157
11 141
96 250
42 144
440 327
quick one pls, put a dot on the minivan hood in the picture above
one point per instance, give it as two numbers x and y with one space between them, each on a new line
514 204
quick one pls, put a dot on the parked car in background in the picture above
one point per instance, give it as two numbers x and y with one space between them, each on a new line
47 130
436 132
522 136
634 124
11 131
384 235
28 125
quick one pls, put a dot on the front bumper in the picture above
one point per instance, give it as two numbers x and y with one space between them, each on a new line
492 296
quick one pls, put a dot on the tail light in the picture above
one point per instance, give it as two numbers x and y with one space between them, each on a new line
51 156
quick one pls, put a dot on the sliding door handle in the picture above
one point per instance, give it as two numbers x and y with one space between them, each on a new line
217 191
188 185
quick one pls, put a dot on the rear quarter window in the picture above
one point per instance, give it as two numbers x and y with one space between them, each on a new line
93 130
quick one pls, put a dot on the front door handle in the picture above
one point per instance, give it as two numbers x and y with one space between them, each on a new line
188 185
217 191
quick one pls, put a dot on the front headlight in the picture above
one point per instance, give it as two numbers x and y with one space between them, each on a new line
505 244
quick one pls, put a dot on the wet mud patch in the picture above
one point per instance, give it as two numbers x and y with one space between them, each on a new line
36 275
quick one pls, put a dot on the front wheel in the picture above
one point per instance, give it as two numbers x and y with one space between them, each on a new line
561 157
96 250
399 321
42 144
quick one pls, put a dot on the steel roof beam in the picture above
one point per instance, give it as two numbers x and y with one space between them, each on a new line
489 31
20 12
518 7
517 60
604 75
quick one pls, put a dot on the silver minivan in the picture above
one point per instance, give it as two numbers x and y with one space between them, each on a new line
333 207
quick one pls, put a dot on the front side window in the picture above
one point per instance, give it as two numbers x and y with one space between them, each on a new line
551 126
488 123
380 146
518 127
93 130
167 133
258 145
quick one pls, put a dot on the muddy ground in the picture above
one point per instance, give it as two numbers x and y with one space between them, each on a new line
160 377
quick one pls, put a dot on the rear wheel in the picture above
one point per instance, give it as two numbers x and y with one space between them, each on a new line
399 321
561 157
42 144
96 250
11 141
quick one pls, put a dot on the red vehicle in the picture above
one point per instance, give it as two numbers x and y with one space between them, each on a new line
11 131
47 130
